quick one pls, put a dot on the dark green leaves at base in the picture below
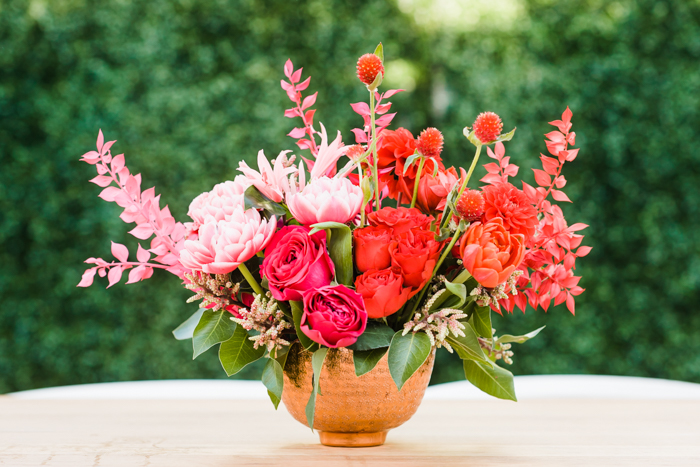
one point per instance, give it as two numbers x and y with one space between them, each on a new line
376 335
316 363
238 351
186 329
494 381
273 379
468 347
213 327
481 321
366 360
407 354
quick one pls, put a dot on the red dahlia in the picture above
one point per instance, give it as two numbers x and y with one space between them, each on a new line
470 206
430 142
512 205
487 127
368 66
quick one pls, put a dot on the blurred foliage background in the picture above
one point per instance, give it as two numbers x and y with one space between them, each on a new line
190 87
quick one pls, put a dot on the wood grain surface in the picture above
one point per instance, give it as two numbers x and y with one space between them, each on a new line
560 433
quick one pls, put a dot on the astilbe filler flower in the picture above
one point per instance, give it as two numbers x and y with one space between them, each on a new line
265 317
438 324
216 293
368 67
487 127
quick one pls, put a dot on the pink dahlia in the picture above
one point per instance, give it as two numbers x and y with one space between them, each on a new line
324 200
223 245
513 206
271 183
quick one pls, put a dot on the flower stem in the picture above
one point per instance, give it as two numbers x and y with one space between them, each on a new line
415 185
362 211
464 184
374 152
250 279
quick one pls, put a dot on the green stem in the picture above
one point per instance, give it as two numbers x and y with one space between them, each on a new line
456 237
445 220
250 279
415 185
462 277
374 152
362 211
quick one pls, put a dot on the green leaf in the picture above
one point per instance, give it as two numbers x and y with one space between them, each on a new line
317 364
339 248
367 190
376 335
254 199
186 329
506 137
377 81
481 321
238 351
213 327
366 360
495 381
297 311
407 354
409 162
273 379
471 136
468 347
379 52
505 338
453 297
445 233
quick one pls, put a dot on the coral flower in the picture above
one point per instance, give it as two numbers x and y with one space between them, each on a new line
513 206
223 245
487 127
324 200
490 253
433 190
470 205
270 182
430 142
368 67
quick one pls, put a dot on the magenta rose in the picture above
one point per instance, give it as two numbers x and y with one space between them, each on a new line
296 262
334 316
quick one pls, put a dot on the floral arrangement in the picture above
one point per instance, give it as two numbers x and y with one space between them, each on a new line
390 253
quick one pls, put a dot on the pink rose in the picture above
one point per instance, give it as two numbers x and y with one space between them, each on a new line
334 316
295 262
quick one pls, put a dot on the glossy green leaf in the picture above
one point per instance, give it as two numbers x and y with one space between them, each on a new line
506 136
506 338
317 364
366 360
213 327
297 311
407 354
273 379
481 321
186 329
376 335
495 381
238 351
254 199
339 249
467 346
454 296
409 161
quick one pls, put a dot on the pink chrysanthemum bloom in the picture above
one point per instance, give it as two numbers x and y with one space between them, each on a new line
223 245
324 200
218 203
271 183
487 127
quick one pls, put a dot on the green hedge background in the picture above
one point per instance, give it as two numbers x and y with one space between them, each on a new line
191 87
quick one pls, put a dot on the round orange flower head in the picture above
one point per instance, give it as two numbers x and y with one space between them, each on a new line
470 206
490 253
368 67
487 127
430 142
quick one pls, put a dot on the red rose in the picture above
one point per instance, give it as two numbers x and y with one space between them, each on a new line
295 262
433 190
415 252
513 206
372 247
382 291
400 219
490 253
334 316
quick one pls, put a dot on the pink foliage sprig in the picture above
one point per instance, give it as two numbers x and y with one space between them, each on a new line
141 208
552 252
306 134
363 135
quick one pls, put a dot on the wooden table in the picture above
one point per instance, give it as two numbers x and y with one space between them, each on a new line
443 433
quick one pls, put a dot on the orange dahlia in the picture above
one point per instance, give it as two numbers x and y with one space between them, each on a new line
513 206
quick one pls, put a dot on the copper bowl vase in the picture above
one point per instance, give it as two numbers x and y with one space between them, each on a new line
352 411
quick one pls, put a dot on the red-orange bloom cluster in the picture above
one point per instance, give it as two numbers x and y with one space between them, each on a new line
368 67
430 142
470 206
488 127
503 200
490 253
